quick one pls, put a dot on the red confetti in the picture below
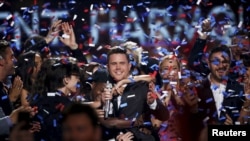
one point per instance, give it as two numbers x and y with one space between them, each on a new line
85 10
153 74
130 20
183 15
154 95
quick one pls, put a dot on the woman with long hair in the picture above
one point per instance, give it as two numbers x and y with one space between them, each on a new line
28 66
55 82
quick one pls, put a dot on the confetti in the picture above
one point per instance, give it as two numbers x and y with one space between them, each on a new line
123 105
66 36
54 123
4 97
209 100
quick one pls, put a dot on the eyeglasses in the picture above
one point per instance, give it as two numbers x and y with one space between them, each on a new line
217 62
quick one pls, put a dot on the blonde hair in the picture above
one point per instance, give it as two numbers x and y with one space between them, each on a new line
169 57
135 49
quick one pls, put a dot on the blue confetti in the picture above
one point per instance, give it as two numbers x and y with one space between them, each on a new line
215 62
78 85
165 81
140 4
209 100
131 80
169 8
147 123
54 123
123 105
222 118
154 67
135 72
224 54
4 97
214 87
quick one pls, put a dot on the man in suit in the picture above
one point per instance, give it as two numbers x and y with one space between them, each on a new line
8 116
135 102
221 97
7 60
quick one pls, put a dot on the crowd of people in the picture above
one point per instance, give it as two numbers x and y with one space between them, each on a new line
133 97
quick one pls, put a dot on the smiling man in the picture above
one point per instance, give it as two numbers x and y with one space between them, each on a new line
221 97
134 102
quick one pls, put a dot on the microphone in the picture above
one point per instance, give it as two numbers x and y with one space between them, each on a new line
107 102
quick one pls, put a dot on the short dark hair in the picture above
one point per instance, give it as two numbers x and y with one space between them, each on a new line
222 48
77 108
3 46
117 50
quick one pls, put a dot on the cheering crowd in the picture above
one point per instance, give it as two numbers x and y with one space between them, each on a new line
134 96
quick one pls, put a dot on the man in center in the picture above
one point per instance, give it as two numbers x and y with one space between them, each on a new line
136 101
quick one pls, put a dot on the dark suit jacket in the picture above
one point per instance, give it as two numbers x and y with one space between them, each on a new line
5 101
134 104
4 125
231 105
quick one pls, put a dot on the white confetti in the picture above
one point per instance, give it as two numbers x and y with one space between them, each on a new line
227 26
198 2
12 23
91 7
92 45
65 36
240 24
179 74
75 16
8 17
99 48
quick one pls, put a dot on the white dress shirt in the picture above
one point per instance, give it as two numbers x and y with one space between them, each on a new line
218 94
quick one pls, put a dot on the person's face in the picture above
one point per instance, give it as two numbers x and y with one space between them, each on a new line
72 82
97 90
219 65
38 63
169 69
78 127
118 66
9 61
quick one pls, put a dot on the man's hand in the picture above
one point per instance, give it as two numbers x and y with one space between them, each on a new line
106 95
128 136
